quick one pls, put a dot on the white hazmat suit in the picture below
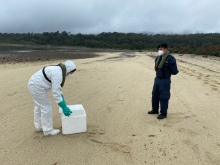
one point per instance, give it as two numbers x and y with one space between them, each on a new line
38 86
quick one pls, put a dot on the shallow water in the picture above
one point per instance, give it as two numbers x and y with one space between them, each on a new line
24 49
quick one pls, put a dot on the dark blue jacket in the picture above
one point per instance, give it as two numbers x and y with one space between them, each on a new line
169 68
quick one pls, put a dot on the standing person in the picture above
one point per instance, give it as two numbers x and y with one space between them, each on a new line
165 66
50 77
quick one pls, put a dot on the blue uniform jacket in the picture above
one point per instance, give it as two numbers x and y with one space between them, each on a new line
169 68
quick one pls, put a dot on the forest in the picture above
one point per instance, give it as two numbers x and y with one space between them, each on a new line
199 44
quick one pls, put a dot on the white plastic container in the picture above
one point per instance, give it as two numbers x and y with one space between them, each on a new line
76 122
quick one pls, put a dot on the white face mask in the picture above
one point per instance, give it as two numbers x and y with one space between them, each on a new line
68 75
160 52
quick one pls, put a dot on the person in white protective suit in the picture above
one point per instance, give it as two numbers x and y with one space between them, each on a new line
50 77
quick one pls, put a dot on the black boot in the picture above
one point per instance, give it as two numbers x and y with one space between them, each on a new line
153 112
160 116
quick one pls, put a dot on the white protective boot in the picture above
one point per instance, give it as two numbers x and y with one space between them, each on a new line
51 132
39 129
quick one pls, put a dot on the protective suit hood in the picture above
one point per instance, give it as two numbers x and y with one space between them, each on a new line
70 66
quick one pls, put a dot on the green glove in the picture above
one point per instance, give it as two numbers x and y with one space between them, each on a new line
63 98
66 110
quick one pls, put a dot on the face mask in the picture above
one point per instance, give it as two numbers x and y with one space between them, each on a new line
68 75
160 52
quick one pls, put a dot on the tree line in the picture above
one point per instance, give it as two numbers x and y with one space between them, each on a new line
200 43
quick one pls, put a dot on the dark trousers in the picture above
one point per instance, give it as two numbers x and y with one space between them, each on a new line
161 94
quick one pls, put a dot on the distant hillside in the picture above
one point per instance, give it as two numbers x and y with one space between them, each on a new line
200 44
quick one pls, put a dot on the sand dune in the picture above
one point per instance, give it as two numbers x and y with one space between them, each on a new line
115 90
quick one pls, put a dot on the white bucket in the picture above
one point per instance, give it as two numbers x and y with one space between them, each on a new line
76 122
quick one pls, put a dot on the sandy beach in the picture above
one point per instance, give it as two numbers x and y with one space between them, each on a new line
115 90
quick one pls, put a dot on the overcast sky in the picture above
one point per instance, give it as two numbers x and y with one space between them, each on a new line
97 16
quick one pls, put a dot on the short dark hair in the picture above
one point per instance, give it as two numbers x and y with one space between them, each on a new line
163 45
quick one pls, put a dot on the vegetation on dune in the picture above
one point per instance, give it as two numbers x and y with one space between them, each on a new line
200 44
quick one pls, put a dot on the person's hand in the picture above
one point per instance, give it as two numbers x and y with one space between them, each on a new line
67 111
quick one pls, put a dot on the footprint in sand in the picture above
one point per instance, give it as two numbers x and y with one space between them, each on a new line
178 118
212 158
94 136
109 109
206 82
188 131
94 133
180 100
191 145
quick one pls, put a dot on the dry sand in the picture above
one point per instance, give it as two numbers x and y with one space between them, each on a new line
115 90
